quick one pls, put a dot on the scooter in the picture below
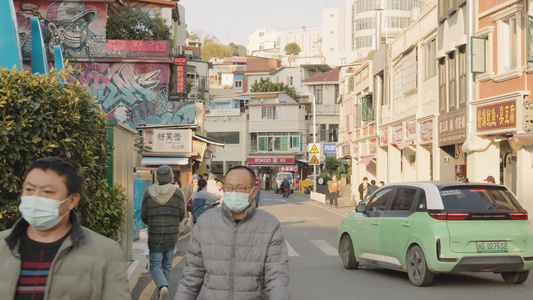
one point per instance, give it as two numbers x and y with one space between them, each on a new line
286 193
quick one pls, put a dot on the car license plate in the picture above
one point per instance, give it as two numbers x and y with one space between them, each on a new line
491 247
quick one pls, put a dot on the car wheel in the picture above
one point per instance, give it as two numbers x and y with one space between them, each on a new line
515 277
417 269
346 252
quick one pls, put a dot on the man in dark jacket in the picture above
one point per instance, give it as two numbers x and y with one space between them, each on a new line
236 251
285 185
162 210
48 254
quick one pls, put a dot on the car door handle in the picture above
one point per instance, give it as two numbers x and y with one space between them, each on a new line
406 224
375 223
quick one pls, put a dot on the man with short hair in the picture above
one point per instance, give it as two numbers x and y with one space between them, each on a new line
236 251
363 188
372 188
48 254
490 179
162 210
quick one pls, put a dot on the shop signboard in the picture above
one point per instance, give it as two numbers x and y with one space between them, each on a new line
426 131
270 160
384 136
397 133
452 127
410 130
171 140
496 116
329 148
372 146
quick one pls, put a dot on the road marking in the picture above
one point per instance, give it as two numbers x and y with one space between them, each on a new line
290 250
325 247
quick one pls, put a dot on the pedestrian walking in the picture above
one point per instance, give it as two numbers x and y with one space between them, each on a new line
202 200
490 179
236 251
363 188
48 254
334 188
162 210
218 190
381 183
371 188
191 189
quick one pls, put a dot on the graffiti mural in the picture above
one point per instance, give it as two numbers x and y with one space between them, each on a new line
71 25
132 93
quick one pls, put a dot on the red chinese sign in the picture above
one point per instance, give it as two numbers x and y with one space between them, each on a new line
293 168
384 137
180 62
496 116
397 133
426 131
372 146
270 160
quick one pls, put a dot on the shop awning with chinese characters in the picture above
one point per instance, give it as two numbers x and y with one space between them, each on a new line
154 160
365 161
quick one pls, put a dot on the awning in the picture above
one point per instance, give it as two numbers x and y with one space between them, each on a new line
150 160
522 139
208 140
365 161
403 145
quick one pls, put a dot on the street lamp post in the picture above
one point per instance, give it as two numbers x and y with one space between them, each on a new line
314 139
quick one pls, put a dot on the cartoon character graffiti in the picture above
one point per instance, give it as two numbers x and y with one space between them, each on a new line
67 25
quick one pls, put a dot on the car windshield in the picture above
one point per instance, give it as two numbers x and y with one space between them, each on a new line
479 198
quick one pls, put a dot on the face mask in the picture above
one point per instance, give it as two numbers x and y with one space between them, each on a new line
237 202
40 212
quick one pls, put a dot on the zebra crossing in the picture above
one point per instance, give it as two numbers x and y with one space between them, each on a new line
322 245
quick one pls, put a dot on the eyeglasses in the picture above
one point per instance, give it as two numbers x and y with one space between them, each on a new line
228 189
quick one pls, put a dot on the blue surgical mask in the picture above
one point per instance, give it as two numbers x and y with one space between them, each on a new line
237 202
40 212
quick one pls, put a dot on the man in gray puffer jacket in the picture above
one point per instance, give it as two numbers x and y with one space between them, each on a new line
236 251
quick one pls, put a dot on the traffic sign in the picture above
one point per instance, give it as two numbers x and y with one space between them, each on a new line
314 149
314 160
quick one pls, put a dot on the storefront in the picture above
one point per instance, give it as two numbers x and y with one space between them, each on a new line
266 167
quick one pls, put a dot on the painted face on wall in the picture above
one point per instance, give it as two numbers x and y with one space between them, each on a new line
70 34
69 23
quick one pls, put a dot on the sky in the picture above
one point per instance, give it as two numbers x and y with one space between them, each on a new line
235 20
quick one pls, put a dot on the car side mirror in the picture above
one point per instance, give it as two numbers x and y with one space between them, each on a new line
361 207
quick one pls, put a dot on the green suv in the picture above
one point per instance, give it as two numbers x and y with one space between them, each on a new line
427 228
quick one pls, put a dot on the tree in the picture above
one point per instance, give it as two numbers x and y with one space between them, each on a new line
39 117
137 24
331 165
213 50
292 49
233 49
265 85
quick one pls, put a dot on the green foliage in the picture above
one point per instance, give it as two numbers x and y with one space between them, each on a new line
213 50
326 176
292 49
265 85
233 49
41 117
136 24
331 164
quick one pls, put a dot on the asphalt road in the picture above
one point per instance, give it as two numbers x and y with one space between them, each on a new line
317 272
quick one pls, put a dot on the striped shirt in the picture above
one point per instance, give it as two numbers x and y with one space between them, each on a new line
36 263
